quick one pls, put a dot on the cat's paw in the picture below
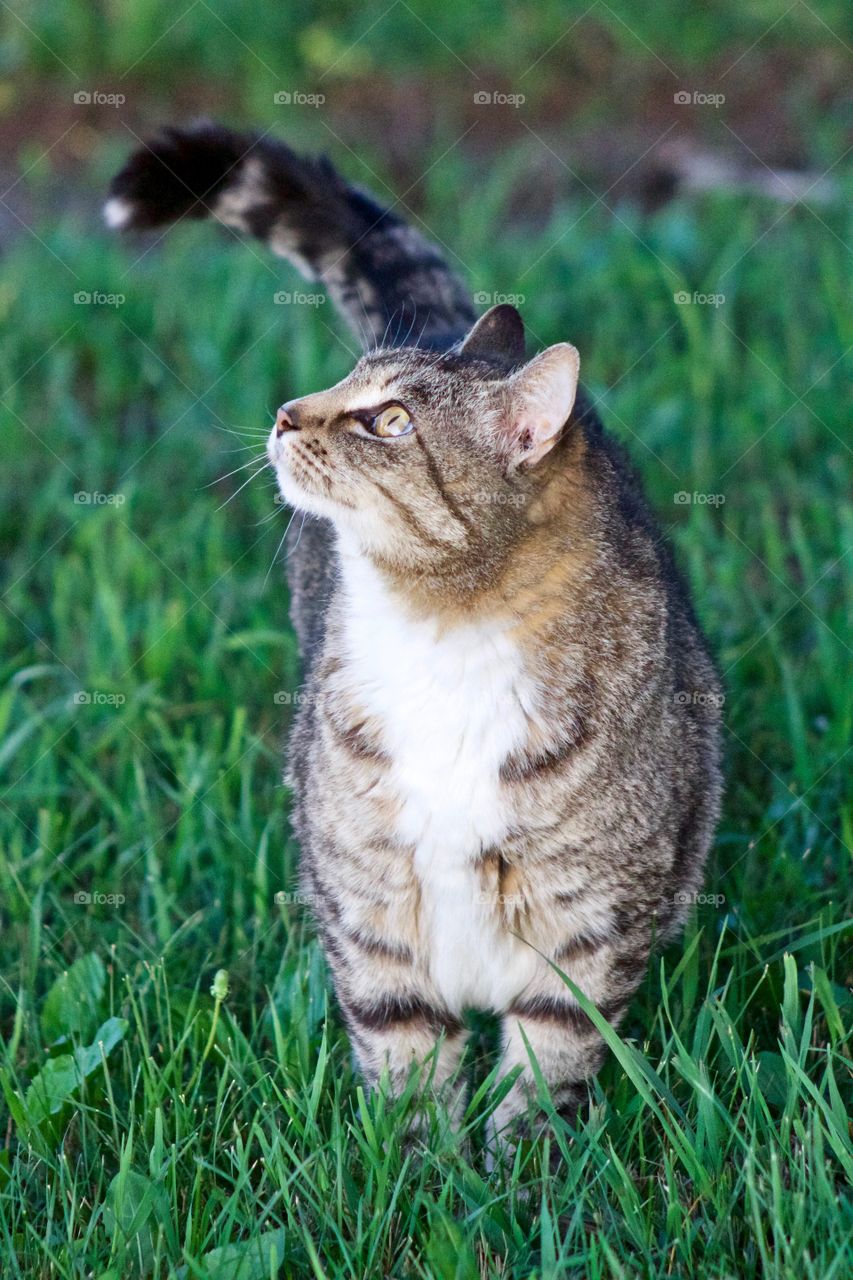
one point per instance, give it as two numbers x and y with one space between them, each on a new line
511 1135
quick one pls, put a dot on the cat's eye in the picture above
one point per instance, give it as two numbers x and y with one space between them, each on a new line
390 422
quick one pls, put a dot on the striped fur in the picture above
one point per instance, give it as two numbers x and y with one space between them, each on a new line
506 758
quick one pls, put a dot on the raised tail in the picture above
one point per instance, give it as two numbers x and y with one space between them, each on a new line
391 285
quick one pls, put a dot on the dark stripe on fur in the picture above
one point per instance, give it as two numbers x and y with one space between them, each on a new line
377 947
566 899
488 859
567 1014
408 516
580 947
523 767
393 1010
353 738
435 475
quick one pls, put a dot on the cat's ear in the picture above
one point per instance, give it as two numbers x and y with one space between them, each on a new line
497 335
540 399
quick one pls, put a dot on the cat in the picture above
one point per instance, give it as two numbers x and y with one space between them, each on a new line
506 761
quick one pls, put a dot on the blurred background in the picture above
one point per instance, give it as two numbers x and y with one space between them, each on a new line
665 185
580 93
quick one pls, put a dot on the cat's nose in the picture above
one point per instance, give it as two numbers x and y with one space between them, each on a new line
287 419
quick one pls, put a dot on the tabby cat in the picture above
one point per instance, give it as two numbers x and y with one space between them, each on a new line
506 758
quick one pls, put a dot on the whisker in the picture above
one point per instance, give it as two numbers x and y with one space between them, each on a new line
387 327
273 515
280 545
364 330
243 485
409 330
243 465
298 536
423 330
244 432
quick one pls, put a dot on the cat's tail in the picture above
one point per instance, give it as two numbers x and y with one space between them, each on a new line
389 282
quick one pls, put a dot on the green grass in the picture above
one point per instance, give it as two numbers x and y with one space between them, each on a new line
153 42
717 1143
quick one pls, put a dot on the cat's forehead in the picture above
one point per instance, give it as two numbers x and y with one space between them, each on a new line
383 365
376 375
383 372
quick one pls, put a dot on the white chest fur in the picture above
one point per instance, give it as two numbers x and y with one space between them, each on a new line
450 706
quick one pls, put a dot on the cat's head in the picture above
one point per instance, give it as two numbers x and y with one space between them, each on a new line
421 458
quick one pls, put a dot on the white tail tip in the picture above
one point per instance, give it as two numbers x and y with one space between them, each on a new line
117 212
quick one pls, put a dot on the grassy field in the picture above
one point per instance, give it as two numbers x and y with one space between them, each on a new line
147 676
242 44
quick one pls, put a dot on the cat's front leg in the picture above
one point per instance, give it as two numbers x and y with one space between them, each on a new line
398 1027
395 1018
568 1051
547 1022
395 1027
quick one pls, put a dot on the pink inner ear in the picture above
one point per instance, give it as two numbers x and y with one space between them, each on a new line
543 395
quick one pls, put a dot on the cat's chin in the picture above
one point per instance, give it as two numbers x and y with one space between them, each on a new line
360 532
300 498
